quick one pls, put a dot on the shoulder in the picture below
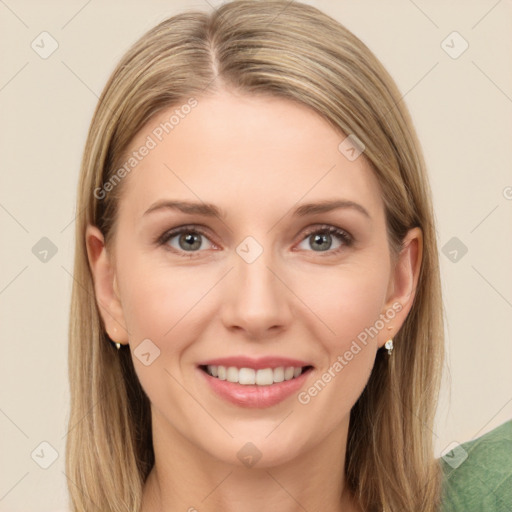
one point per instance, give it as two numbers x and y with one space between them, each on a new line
478 473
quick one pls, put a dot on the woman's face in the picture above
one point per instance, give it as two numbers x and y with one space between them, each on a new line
261 278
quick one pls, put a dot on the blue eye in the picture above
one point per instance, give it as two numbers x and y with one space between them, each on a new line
322 238
190 239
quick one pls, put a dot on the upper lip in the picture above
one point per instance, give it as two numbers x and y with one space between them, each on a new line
257 364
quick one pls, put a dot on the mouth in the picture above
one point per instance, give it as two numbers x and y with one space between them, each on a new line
254 387
255 377
254 381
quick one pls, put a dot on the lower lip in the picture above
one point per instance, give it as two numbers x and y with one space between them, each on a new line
253 395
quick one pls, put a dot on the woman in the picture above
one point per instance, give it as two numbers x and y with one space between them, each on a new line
255 372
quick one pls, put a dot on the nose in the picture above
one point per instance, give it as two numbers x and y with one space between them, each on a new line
256 299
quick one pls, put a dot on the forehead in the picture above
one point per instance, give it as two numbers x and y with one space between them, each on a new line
257 151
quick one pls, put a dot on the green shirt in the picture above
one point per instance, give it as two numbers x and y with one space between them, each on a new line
478 473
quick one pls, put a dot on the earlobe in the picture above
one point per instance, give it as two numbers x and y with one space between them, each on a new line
404 281
105 286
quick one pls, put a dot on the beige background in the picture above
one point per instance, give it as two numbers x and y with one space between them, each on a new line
462 109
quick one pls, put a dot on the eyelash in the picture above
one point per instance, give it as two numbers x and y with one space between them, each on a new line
344 236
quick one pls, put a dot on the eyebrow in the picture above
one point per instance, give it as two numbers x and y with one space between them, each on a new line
327 206
210 210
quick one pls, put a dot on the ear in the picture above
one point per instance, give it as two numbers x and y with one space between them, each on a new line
402 284
105 286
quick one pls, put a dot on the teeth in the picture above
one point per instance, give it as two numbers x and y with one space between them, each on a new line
232 374
265 377
279 374
248 376
288 373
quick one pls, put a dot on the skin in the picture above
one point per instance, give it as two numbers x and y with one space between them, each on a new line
257 158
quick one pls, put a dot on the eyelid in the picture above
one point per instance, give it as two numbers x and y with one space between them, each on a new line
186 228
347 239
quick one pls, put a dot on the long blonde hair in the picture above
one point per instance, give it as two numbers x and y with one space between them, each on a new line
296 52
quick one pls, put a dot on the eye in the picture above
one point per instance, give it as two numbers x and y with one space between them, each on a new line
191 239
188 239
321 237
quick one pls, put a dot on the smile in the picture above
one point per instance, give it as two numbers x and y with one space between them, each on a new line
251 376
254 388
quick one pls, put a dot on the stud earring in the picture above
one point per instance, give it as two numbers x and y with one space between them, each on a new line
389 346
117 344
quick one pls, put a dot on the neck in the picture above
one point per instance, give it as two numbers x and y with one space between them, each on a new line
186 478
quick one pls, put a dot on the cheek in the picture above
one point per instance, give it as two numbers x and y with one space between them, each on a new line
346 300
349 303
160 304
339 301
157 299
